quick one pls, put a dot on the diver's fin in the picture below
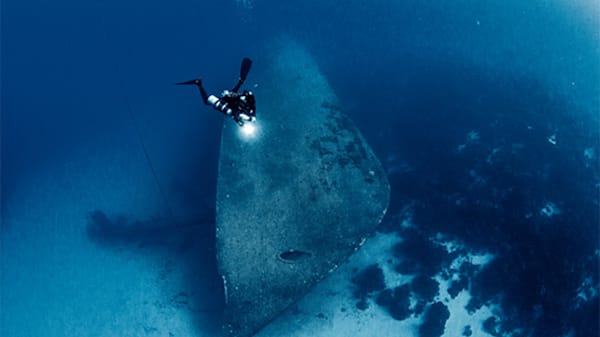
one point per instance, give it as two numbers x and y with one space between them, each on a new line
194 82
197 82
245 68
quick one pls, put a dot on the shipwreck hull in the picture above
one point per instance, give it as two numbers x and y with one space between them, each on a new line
295 200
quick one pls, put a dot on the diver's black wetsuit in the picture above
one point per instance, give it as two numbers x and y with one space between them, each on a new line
240 106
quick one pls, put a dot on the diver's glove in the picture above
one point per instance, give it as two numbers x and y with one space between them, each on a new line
237 119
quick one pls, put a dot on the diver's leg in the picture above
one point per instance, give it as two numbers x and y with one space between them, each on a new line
203 93
238 85
197 82
244 69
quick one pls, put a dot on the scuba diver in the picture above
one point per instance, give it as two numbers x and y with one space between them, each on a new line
240 106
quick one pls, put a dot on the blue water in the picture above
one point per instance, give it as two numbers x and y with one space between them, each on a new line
486 115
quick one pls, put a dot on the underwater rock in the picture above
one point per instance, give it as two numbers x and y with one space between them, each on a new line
296 199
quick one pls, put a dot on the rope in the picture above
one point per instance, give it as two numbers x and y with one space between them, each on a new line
148 160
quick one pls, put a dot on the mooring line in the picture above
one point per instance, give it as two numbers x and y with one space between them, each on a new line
148 160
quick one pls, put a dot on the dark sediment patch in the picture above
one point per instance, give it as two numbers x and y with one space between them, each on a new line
488 193
435 320
490 326
369 280
396 302
425 288
418 255
458 285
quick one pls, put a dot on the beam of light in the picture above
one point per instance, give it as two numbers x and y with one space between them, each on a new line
248 130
